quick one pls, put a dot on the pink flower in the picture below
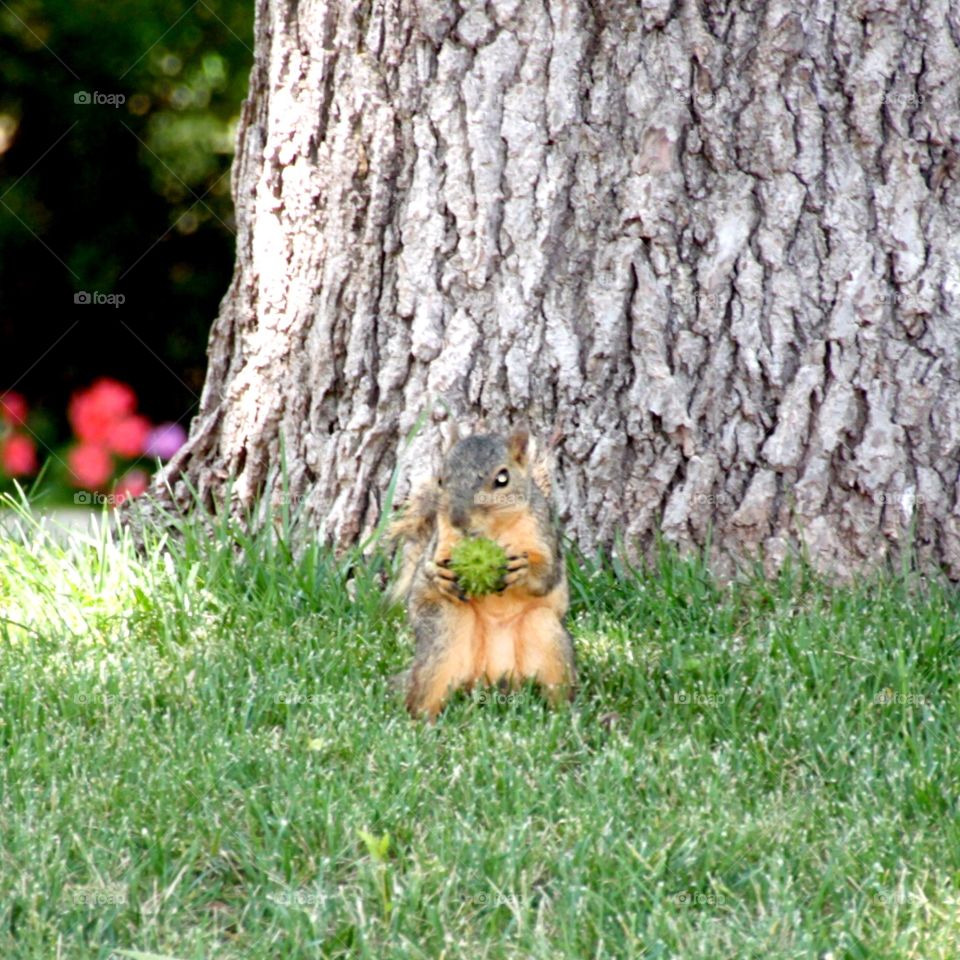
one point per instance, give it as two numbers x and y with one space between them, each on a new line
128 437
19 456
165 440
13 409
90 465
132 484
95 410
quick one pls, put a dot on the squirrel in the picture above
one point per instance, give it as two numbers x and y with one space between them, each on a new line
499 488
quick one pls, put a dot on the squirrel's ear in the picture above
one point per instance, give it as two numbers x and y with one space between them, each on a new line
518 445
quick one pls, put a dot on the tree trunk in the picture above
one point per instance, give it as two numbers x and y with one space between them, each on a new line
711 250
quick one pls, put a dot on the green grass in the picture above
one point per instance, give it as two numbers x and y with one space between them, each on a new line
201 756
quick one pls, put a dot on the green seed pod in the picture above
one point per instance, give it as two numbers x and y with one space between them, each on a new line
479 565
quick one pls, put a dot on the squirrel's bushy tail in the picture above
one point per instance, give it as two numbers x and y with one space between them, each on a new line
411 530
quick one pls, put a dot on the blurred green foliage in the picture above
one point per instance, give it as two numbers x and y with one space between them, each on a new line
117 125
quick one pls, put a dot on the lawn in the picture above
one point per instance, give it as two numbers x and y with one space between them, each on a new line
201 757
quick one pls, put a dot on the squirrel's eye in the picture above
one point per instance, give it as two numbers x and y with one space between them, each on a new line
501 479
439 482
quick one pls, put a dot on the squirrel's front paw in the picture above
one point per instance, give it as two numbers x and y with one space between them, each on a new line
517 567
443 579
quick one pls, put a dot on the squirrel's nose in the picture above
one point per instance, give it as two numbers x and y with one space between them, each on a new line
460 514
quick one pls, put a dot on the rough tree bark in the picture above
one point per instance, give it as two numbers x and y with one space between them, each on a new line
711 249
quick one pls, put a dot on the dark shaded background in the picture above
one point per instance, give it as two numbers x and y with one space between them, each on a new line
129 200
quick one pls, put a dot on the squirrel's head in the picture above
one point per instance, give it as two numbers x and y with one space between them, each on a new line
485 475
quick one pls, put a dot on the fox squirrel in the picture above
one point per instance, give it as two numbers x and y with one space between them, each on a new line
499 488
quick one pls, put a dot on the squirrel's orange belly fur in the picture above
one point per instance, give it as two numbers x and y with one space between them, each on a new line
497 639
504 640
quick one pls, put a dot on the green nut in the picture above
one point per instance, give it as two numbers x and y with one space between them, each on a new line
479 565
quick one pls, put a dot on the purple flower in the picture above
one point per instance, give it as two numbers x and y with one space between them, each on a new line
164 441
